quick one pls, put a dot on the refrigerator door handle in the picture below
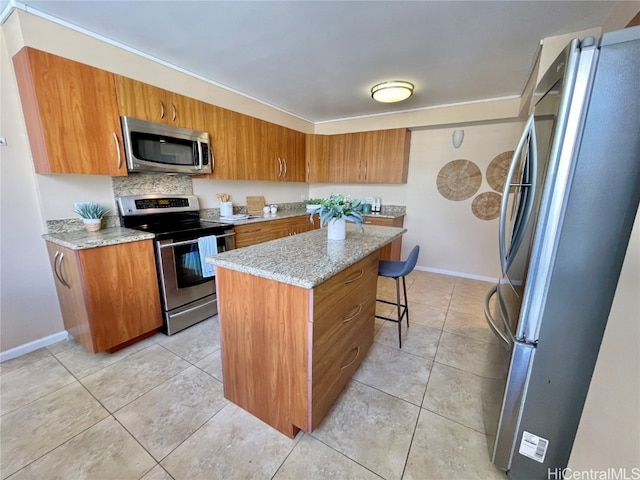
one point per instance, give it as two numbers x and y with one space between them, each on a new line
505 195
487 314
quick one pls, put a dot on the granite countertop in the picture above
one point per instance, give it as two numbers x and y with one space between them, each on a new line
395 213
82 239
307 259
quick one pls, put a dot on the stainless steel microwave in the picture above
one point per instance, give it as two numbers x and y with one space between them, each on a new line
159 148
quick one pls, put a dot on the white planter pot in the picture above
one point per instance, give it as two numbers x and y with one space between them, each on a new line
337 229
92 224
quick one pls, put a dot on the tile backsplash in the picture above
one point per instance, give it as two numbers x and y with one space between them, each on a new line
143 184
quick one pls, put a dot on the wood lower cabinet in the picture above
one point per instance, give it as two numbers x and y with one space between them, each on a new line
288 351
71 113
254 233
108 295
141 100
393 250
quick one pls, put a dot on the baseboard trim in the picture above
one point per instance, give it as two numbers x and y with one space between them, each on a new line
457 274
32 346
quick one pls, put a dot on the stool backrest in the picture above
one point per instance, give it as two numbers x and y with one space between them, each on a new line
410 262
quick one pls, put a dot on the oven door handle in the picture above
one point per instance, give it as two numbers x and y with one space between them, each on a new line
189 242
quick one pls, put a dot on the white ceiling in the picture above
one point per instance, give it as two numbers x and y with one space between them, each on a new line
319 59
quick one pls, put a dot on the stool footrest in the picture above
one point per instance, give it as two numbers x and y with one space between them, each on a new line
402 315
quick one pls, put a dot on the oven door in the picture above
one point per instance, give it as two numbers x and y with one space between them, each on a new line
180 270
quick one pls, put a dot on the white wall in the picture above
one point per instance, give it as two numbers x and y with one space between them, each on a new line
28 303
273 192
609 432
451 238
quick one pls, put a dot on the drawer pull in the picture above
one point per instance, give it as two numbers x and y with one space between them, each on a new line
354 359
357 277
358 309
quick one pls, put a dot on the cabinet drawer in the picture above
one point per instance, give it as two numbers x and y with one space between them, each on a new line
251 234
332 371
329 293
335 320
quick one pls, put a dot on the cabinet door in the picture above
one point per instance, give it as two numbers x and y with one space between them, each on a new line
220 126
281 228
346 158
386 155
68 280
121 289
141 100
291 150
317 158
71 115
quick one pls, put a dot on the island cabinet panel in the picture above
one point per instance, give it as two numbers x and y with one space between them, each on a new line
265 337
393 250
146 102
287 351
108 295
71 114
317 158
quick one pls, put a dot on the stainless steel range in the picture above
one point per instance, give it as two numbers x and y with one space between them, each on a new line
182 240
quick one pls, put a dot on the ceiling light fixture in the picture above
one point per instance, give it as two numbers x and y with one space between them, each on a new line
394 91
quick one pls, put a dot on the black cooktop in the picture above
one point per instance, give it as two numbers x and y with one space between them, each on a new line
176 226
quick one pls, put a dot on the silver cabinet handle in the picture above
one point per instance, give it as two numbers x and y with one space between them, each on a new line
161 109
57 268
117 144
173 112
284 160
357 277
279 167
351 362
491 321
358 309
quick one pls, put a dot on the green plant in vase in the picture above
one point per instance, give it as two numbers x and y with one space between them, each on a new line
337 209
91 214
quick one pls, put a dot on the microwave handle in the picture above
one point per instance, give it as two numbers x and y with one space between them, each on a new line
200 161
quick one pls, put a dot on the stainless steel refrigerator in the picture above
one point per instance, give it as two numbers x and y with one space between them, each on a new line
569 204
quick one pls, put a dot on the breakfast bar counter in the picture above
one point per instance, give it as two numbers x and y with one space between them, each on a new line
297 318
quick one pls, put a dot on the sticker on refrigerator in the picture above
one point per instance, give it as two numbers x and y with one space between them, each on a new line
533 446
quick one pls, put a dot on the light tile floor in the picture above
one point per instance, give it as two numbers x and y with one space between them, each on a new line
156 410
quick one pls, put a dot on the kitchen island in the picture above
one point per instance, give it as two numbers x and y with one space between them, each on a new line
296 320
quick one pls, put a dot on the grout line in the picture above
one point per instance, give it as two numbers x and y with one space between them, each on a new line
456 422
289 454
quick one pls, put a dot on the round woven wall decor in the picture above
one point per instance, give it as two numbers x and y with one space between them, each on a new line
486 206
498 169
459 180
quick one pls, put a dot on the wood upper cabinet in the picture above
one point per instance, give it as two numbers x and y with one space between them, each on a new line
108 295
71 114
141 100
346 158
379 156
279 153
317 158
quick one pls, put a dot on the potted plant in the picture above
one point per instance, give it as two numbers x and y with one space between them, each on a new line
91 214
335 211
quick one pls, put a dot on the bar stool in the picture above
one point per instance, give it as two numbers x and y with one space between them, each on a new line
398 270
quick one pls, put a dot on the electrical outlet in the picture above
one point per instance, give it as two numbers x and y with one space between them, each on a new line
303 197
3 141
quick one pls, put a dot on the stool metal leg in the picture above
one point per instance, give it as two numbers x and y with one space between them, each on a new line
399 315
406 301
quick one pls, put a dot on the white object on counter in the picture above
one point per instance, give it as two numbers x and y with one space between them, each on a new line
274 209
266 210
226 209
